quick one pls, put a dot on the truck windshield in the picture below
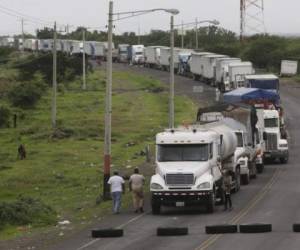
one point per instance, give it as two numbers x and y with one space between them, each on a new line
196 152
239 137
271 123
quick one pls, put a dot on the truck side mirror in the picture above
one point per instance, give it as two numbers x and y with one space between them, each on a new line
265 136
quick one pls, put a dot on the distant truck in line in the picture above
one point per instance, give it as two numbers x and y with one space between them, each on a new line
123 53
136 54
236 75
266 82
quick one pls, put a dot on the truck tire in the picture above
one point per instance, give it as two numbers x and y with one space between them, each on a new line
256 228
221 229
210 207
107 233
260 168
155 207
245 179
296 228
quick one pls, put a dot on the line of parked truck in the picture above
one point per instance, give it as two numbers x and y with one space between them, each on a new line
238 135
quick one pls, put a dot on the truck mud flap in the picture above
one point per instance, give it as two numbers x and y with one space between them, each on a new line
221 229
172 231
256 228
107 233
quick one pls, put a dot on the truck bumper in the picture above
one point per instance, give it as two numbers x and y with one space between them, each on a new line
181 198
276 154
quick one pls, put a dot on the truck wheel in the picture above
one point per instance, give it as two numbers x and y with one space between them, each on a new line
245 179
155 207
211 203
260 168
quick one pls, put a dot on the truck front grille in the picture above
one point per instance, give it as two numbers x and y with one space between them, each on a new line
180 179
271 143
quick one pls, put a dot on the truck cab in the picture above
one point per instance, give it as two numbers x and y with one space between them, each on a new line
189 167
276 147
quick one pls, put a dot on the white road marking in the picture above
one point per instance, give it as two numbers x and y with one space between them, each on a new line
92 242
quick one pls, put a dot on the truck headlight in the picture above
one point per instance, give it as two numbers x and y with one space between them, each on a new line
156 186
204 185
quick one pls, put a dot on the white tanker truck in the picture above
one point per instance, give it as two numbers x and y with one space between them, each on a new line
189 164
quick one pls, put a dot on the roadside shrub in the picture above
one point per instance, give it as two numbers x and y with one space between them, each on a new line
5 52
26 210
27 94
5 114
68 67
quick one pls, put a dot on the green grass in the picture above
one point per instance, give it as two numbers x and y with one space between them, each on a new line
66 173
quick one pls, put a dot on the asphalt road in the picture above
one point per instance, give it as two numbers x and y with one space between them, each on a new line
274 197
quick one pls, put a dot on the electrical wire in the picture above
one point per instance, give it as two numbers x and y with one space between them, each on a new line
35 19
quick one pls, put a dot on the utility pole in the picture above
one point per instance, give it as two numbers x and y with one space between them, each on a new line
196 33
139 34
171 97
54 84
182 37
83 61
23 35
108 107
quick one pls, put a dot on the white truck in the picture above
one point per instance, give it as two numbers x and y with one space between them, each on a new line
222 71
196 66
189 164
248 156
152 56
136 54
276 147
208 63
165 54
236 75
97 49
31 44
288 68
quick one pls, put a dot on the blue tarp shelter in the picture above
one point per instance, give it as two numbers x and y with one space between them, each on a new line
244 95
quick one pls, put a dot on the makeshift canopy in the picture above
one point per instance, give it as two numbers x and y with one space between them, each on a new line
251 95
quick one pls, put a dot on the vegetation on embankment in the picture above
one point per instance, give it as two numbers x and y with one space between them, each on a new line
62 173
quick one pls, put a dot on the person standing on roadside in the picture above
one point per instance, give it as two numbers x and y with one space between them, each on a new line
227 190
117 187
136 183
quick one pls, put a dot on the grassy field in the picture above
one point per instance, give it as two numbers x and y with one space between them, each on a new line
64 168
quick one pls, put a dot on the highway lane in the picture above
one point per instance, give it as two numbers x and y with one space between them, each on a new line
140 231
281 205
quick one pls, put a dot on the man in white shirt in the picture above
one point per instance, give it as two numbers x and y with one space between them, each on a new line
136 183
117 187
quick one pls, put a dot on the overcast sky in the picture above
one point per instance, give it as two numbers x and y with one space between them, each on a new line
281 16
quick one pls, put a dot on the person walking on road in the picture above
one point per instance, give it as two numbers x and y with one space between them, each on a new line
117 186
227 190
136 183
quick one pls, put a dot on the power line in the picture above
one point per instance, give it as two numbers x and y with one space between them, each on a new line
24 15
